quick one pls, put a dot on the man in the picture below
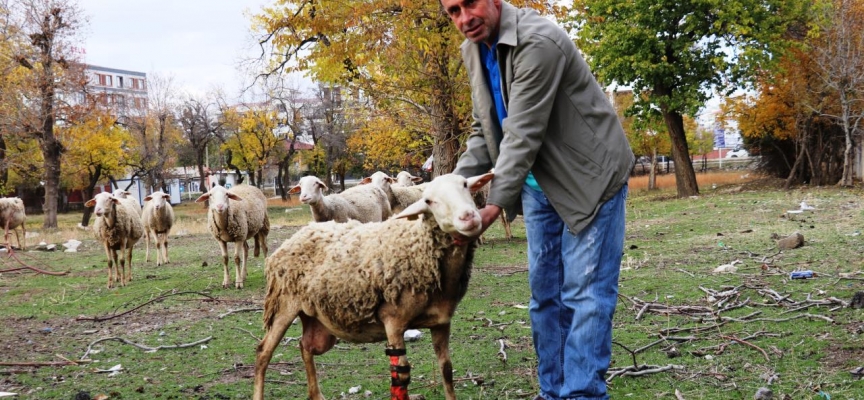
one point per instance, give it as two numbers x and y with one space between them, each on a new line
544 124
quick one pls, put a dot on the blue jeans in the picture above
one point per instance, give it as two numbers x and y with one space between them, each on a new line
574 289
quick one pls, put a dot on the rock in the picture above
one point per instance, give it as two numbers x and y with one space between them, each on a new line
792 241
857 300
412 335
763 394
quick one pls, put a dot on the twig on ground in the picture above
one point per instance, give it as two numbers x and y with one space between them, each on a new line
257 339
744 342
239 311
644 370
141 346
502 354
30 267
160 298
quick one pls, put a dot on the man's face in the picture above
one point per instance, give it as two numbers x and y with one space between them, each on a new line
478 20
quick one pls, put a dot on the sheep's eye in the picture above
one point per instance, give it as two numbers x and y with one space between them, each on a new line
429 202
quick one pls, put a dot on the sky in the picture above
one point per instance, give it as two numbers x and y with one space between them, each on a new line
197 42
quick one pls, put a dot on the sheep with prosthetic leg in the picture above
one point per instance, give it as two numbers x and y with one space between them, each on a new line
371 282
237 215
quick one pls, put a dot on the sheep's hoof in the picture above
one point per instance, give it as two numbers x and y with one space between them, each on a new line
238 285
225 286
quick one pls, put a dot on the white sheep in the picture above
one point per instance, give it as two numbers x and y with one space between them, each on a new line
236 215
364 204
371 282
158 218
405 179
400 197
118 226
126 197
11 217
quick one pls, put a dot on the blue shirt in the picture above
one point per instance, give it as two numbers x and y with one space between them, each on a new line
493 77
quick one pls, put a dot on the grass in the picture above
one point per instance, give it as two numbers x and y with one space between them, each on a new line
672 247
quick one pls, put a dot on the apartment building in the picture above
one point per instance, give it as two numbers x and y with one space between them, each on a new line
122 90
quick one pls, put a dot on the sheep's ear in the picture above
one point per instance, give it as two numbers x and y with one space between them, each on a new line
411 212
416 179
365 181
90 203
166 196
203 197
477 182
234 197
294 189
148 198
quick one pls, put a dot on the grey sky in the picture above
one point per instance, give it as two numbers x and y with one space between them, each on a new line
197 42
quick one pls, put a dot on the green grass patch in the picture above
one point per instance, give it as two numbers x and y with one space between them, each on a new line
792 336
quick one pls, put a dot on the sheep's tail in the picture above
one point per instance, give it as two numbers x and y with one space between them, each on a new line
272 302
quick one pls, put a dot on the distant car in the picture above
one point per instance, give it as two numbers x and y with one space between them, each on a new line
738 152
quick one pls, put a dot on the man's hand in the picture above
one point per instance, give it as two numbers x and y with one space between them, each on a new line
488 215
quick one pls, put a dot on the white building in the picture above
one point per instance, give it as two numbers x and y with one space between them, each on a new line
123 91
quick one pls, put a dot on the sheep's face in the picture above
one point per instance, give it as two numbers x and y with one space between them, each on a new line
311 189
102 204
448 199
380 180
158 199
121 194
405 179
218 197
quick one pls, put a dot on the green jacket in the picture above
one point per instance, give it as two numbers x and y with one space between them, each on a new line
560 124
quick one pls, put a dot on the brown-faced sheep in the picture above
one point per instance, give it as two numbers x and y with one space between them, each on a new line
118 226
11 217
364 204
158 218
236 215
371 282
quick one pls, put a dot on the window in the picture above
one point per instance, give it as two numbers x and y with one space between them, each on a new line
104 80
137 84
120 81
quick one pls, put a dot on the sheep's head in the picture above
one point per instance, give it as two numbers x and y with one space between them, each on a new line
158 198
379 179
405 179
102 203
311 189
448 199
120 193
218 197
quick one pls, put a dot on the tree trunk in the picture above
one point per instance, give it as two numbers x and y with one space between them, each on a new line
88 194
51 177
4 170
685 176
652 175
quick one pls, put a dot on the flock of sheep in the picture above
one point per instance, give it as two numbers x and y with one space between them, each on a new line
378 259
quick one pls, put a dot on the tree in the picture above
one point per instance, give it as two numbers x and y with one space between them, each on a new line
676 52
155 133
253 140
838 52
200 128
403 55
646 134
51 26
93 153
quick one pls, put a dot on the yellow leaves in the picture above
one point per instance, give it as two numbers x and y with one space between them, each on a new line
93 143
253 141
